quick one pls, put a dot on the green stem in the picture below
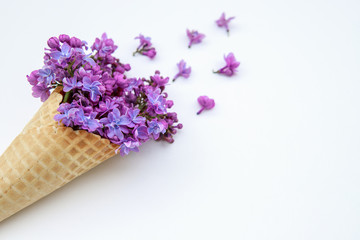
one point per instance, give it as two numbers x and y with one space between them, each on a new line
66 97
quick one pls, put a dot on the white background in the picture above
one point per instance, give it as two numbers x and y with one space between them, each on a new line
277 158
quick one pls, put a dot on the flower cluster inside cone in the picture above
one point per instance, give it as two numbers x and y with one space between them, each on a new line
99 98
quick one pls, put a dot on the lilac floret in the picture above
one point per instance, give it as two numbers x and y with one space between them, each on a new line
194 37
231 65
183 70
93 87
71 83
205 103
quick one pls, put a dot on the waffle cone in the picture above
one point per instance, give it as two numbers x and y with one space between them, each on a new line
46 156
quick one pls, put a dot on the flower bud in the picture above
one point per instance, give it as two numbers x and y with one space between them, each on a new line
64 38
75 42
53 42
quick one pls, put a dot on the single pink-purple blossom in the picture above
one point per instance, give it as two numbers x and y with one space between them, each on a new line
223 22
231 65
206 103
183 70
194 37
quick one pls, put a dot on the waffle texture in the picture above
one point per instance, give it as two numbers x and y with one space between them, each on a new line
46 156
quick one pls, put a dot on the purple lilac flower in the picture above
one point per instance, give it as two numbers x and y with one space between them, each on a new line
194 37
105 46
183 71
156 127
127 146
231 65
86 58
46 76
92 87
141 133
206 103
53 42
145 47
33 78
71 83
98 96
75 42
63 54
135 119
64 38
159 80
67 114
223 22
116 124
106 106
41 91
157 103
87 122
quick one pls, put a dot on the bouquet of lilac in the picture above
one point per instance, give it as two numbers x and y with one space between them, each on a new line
99 98
91 111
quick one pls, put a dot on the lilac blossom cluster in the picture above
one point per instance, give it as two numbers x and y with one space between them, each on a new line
99 98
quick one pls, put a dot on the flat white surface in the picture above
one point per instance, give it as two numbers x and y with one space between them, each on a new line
277 158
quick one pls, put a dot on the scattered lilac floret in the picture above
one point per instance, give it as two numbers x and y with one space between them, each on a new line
223 22
231 65
194 37
206 103
145 48
183 70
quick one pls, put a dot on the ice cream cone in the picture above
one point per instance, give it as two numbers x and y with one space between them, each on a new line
46 156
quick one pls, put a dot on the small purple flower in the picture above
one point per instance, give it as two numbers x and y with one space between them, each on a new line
231 65
141 133
33 78
92 87
63 54
46 76
66 114
156 127
135 119
116 124
183 71
133 83
53 42
156 101
127 146
145 47
144 41
223 22
151 52
64 38
86 58
105 46
206 103
87 122
71 83
194 37
159 80
75 42
41 91
106 106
